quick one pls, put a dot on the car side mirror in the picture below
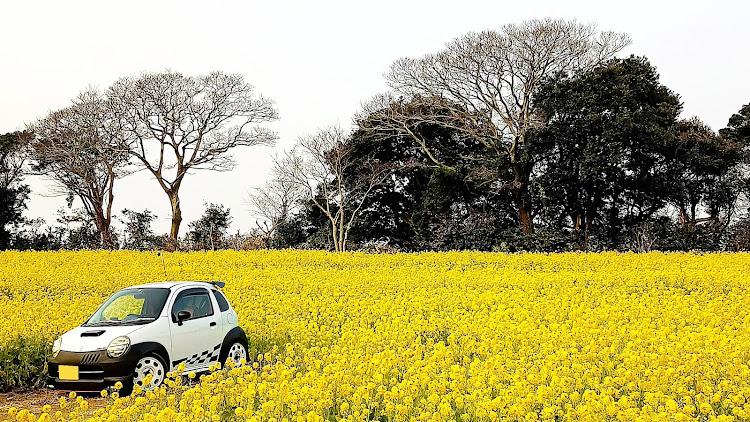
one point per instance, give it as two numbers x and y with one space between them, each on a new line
182 316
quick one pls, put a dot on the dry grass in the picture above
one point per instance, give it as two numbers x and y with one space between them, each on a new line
34 400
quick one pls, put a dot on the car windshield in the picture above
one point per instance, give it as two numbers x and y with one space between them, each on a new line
130 307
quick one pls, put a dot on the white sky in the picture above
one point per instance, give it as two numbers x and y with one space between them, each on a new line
319 60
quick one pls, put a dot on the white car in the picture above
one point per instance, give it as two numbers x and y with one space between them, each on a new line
148 329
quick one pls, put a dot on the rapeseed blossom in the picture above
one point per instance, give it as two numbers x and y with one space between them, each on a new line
426 337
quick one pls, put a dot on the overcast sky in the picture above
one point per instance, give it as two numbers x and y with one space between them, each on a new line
319 60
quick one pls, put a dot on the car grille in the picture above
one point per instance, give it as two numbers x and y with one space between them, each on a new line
90 358
90 372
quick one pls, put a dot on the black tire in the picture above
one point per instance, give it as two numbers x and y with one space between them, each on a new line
151 363
236 350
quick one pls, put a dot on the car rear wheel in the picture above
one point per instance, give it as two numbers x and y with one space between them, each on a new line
149 365
237 353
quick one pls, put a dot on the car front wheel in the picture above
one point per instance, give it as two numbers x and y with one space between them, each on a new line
149 365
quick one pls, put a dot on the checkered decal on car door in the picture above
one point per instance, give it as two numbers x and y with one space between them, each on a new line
199 358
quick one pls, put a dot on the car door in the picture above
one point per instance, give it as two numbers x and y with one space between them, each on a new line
197 340
228 317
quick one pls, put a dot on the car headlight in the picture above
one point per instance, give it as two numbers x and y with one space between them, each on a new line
118 347
56 347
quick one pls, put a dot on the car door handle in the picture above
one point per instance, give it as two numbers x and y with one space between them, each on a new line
213 324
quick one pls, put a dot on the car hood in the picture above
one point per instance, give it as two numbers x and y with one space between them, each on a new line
86 339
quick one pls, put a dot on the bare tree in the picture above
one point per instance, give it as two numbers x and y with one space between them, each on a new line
488 80
180 123
319 166
275 202
77 147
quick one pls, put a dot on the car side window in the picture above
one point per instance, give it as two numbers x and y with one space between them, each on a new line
223 304
195 301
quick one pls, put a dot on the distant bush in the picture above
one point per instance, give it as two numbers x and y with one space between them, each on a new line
668 236
739 237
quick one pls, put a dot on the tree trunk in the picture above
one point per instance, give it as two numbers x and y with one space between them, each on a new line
614 229
682 216
174 232
108 213
342 233
521 197
102 225
93 205
334 235
693 207
107 241
587 231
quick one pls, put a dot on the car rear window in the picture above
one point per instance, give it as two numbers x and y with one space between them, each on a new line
223 304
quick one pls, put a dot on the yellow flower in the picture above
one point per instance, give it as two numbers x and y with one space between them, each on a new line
428 336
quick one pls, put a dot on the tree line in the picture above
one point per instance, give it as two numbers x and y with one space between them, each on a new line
534 137
165 123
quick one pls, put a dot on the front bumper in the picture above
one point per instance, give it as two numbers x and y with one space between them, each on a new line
96 370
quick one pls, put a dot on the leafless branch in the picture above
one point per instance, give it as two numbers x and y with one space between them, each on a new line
178 123
487 80
317 166
78 147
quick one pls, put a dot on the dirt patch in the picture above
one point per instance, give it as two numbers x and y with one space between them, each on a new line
34 400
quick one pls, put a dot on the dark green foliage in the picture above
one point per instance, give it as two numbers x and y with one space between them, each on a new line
738 128
289 233
71 232
739 235
612 161
13 194
703 173
452 210
210 231
138 234
32 237
315 226
602 149
613 168
23 363
12 206
423 205
664 234
78 231
738 131
86 236
678 237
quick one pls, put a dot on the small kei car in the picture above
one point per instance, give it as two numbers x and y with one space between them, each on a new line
148 329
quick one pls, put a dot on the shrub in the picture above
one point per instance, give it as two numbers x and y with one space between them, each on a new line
23 362
739 237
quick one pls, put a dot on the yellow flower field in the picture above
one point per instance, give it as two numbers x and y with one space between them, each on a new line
428 337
